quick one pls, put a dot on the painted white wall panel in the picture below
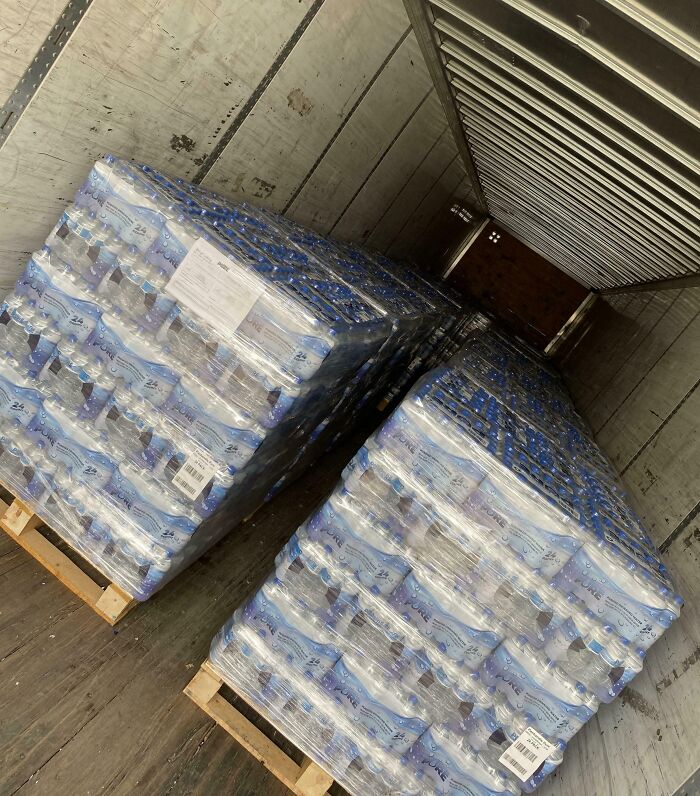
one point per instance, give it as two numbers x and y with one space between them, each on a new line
148 80
642 354
644 360
430 170
320 108
391 174
24 24
656 307
388 105
308 100
451 186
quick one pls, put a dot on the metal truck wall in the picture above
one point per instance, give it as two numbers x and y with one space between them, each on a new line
635 377
321 109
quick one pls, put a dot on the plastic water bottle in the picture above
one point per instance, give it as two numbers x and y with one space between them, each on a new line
61 378
11 464
379 705
306 582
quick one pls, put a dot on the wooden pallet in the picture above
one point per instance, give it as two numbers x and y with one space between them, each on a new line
22 524
307 779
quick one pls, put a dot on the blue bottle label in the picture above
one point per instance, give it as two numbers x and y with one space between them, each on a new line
389 728
466 645
542 544
291 643
631 618
377 570
18 405
225 442
152 380
554 716
172 531
86 465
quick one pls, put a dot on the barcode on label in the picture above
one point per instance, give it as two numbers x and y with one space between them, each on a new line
527 753
191 491
195 474
507 758
520 746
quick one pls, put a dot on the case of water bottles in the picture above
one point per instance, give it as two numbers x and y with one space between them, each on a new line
171 359
471 591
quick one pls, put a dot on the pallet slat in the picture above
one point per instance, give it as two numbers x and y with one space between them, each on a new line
21 524
313 779
307 779
114 603
18 518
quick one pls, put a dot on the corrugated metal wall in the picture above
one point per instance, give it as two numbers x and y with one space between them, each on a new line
583 121
321 109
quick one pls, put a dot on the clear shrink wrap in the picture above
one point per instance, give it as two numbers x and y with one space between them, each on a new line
455 611
168 357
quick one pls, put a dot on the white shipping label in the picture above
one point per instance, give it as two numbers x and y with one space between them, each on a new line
526 754
195 474
214 286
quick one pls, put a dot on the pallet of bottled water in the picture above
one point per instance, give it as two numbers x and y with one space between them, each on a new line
170 359
472 590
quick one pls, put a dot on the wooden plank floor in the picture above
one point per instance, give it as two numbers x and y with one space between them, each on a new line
86 709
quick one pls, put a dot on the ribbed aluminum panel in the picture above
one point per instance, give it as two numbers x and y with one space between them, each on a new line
583 122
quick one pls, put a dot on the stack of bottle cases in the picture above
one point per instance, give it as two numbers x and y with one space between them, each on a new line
169 360
438 348
463 601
